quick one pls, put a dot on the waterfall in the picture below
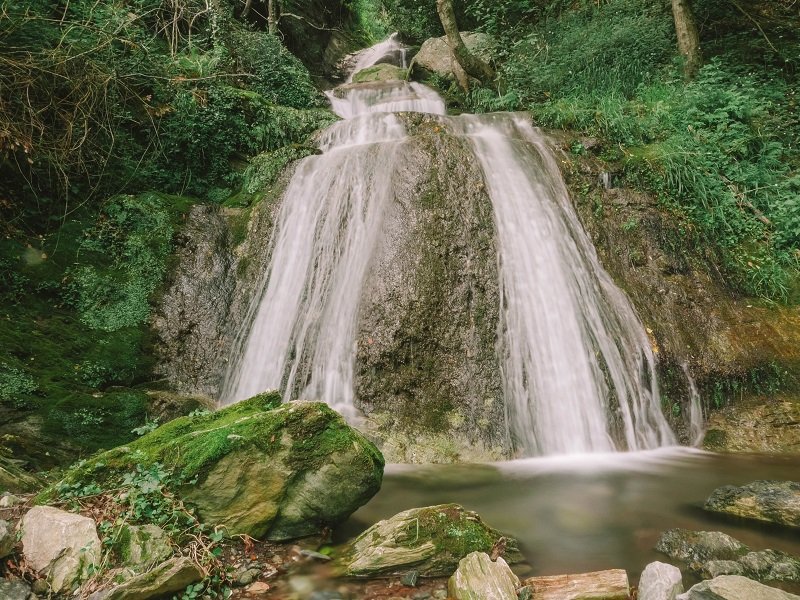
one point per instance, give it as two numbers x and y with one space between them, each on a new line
577 366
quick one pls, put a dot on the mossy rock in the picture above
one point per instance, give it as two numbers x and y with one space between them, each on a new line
380 72
259 467
430 540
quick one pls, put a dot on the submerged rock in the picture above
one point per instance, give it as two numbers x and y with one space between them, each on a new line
660 581
380 72
258 467
430 540
770 501
62 546
480 578
601 585
697 547
734 587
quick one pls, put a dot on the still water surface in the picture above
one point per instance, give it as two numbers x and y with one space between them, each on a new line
588 512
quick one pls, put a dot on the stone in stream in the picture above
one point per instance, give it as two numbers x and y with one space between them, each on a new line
770 501
380 72
430 540
600 585
259 467
734 587
62 546
480 578
698 547
660 581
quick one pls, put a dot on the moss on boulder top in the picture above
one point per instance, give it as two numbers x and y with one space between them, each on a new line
259 467
430 540
380 72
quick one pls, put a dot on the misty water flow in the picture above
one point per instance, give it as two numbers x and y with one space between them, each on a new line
578 369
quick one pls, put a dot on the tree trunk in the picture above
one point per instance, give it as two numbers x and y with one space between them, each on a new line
473 65
688 38
272 16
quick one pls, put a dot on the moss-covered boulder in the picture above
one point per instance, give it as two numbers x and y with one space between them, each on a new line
259 467
430 540
380 72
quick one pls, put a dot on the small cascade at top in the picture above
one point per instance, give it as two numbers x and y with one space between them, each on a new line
577 367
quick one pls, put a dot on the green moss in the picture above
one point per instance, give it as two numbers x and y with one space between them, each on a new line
715 439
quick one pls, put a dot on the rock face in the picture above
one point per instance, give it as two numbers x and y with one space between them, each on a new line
768 425
479 578
167 578
697 547
770 501
430 541
660 581
600 585
733 587
63 546
380 72
435 57
258 467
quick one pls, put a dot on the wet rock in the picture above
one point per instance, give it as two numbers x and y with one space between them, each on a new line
756 425
60 545
8 538
435 58
169 577
660 581
770 501
14 589
770 565
262 468
478 578
734 587
380 72
141 547
608 585
429 540
697 547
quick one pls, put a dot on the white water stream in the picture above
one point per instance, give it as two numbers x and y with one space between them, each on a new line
578 370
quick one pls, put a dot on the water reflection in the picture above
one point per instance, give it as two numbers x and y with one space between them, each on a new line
589 512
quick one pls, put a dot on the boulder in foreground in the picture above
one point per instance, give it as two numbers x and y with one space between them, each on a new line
480 578
62 546
734 587
430 540
770 501
259 467
660 581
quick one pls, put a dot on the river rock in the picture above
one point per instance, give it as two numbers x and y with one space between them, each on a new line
62 546
259 467
380 72
601 585
14 589
143 546
8 538
167 578
734 587
770 501
660 581
698 547
480 578
430 540
435 58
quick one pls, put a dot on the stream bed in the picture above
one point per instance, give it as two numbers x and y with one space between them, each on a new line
582 513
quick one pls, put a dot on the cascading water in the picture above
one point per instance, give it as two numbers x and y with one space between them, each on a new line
578 370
